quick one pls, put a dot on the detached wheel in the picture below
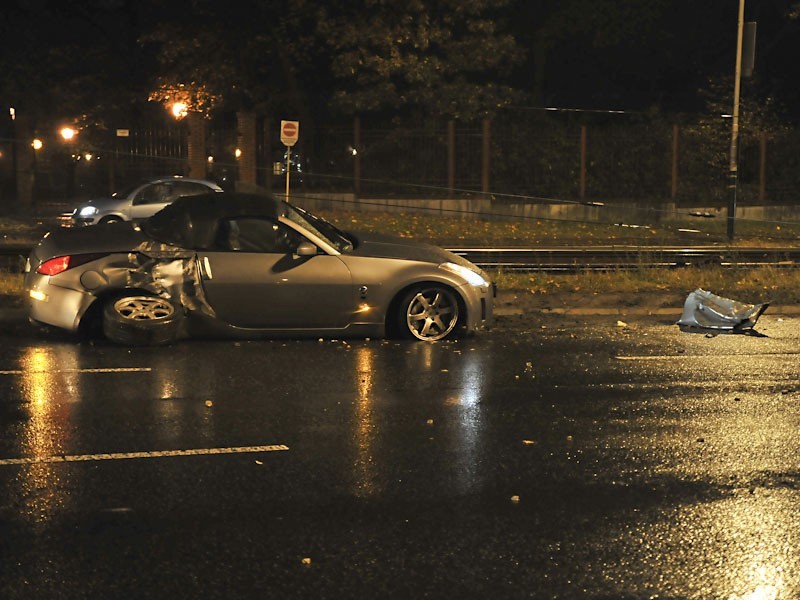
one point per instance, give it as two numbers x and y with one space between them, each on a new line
141 321
429 313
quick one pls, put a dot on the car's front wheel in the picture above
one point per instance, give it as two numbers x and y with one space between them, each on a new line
429 313
141 320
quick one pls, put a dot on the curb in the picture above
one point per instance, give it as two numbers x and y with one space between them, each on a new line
782 310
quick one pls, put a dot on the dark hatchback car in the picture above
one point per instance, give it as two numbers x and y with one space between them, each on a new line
247 266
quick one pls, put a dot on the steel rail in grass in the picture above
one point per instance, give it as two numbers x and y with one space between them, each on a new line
572 259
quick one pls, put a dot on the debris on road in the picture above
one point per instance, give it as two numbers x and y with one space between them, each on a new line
704 311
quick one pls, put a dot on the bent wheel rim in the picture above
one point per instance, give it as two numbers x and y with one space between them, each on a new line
144 308
432 314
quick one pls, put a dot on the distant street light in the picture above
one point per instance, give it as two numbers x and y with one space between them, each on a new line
37 144
68 133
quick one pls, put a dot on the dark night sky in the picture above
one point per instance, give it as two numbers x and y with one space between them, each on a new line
607 60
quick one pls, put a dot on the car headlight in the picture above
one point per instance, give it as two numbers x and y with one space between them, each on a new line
472 277
87 211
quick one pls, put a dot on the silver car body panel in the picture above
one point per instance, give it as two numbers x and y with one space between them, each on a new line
244 294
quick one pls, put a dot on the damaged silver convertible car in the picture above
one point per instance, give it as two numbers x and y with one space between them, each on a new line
241 265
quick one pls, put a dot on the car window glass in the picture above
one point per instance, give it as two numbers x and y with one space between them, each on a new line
247 234
152 194
320 227
188 188
178 189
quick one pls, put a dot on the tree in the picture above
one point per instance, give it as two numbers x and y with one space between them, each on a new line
630 54
442 58
70 59
243 56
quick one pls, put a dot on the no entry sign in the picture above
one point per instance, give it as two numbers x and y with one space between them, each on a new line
290 130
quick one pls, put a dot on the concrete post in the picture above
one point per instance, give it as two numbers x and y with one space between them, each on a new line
451 158
25 162
357 157
676 133
197 160
246 122
582 183
487 149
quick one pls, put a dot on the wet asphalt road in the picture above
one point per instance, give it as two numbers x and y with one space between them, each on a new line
571 457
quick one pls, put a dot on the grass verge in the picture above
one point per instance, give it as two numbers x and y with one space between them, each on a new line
756 285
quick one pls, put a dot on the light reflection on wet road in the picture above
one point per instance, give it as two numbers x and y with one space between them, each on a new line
573 459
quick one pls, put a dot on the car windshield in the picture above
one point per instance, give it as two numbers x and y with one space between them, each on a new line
125 192
321 228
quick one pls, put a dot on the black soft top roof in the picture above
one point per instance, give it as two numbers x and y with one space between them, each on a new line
191 222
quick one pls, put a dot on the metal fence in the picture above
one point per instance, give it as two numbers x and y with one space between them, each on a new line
527 155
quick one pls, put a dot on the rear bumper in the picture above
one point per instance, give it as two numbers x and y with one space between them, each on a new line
54 305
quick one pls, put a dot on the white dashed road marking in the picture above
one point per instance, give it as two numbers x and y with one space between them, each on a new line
117 370
127 455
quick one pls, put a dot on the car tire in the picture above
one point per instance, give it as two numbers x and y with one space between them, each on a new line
429 313
107 220
139 320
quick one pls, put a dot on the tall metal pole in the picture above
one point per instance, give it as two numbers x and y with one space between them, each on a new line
734 167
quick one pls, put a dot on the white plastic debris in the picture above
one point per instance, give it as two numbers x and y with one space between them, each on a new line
704 310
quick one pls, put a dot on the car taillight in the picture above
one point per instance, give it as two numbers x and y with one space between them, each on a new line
59 264
54 266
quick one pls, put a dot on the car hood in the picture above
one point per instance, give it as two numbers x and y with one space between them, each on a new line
112 237
102 202
384 246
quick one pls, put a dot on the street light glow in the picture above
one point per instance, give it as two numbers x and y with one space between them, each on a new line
37 144
68 133
179 110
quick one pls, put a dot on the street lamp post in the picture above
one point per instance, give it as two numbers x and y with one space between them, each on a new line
734 167
12 112
68 135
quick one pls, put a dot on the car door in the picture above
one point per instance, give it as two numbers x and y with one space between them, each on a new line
252 278
150 199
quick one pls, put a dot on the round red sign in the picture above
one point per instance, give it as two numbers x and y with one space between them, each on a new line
289 132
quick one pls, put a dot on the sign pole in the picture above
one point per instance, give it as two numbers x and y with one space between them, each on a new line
288 164
290 131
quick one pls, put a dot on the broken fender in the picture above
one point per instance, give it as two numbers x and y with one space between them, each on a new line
707 311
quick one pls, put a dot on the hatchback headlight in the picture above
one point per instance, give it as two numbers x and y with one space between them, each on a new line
473 278
87 211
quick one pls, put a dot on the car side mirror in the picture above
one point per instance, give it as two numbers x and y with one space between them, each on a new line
306 249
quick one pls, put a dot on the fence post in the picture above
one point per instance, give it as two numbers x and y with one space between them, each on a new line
487 148
762 168
356 157
197 144
267 135
676 132
582 190
24 165
246 122
451 157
